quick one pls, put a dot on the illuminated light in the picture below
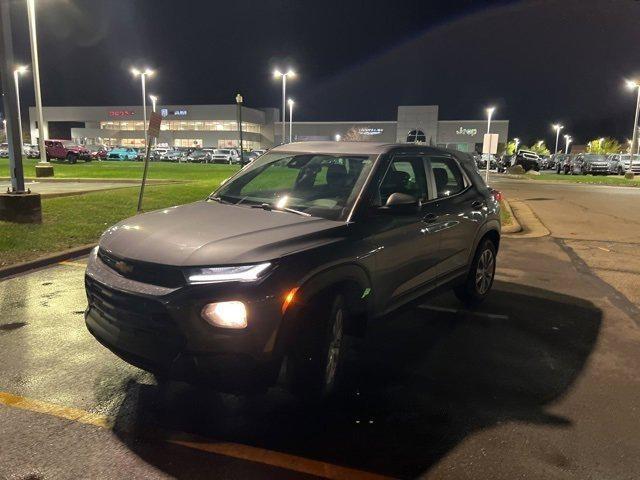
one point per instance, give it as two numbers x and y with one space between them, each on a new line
241 273
631 84
277 73
337 137
231 314
289 298
21 69
282 202
135 71
290 73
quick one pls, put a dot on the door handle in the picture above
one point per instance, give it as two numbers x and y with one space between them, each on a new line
430 218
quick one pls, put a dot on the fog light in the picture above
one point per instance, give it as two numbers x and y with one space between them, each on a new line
226 314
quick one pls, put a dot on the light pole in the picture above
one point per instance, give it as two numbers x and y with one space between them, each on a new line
154 100
239 101
31 16
147 72
567 141
517 142
290 102
557 127
634 139
490 111
290 73
16 73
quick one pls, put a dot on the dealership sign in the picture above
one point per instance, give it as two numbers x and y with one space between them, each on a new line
165 112
467 131
121 113
370 131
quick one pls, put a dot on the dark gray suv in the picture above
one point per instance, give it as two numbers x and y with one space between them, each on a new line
302 247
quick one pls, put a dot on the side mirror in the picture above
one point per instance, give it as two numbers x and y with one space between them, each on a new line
401 203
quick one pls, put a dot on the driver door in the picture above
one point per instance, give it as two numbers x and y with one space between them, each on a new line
407 254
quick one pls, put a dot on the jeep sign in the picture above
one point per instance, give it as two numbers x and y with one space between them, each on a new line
467 131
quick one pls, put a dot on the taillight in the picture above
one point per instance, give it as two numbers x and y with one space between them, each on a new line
497 195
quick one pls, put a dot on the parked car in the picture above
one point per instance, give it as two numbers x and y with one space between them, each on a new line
225 155
158 153
177 156
199 156
248 157
619 163
66 150
275 266
259 151
528 160
481 161
122 153
593 163
545 161
98 152
563 163
4 150
30 151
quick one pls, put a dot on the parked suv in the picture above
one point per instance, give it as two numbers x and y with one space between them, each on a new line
305 245
528 159
593 163
225 155
619 163
66 150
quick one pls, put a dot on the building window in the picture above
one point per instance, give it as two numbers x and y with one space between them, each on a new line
416 136
132 142
234 143
187 142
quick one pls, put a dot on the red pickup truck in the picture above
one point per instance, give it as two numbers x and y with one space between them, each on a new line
66 150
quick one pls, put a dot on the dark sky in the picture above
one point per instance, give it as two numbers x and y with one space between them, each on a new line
537 61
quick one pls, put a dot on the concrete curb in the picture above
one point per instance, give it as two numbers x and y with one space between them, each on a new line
532 227
515 227
132 181
46 260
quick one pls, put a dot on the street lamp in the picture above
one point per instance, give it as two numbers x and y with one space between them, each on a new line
154 100
557 127
16 73
634 139
517 142
337 137
290 102
290 73
147 72
239 101
31 16
567 141
489 111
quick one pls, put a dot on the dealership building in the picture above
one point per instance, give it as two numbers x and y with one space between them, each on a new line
217 126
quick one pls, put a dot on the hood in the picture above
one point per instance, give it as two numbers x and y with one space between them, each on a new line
211 233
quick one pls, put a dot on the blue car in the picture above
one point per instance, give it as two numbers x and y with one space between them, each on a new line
122 153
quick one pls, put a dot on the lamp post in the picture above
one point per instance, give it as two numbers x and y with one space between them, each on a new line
147 72
634 139
489 111
290 73
517 142
154 100
337 137
567 141
239 101
31 16
290 102
557 127
16 73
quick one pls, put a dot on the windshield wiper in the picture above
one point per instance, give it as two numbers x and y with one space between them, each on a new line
269 207
219 200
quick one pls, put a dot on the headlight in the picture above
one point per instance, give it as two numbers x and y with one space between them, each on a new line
226 314
240 273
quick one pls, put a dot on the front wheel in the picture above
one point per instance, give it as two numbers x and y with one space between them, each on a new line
71 158
480 277
315 365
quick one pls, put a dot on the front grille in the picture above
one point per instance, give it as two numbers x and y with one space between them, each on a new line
145 272
127 311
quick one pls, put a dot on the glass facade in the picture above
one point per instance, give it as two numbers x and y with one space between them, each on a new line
187 142
182 125
246 144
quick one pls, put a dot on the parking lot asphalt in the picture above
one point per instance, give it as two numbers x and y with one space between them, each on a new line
542 381
58 188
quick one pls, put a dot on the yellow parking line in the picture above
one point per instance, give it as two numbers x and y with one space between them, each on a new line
235 450
73 264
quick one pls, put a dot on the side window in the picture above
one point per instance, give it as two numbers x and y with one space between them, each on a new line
448 178
405 175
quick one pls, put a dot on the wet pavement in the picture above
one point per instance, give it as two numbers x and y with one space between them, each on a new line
542 381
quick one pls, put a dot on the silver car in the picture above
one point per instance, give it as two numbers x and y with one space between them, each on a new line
619 163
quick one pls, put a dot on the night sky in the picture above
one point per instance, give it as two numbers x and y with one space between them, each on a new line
537 61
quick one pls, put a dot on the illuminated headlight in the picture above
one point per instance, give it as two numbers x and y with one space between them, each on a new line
240 273
226 314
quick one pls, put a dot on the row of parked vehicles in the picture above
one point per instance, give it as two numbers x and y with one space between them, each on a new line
563 163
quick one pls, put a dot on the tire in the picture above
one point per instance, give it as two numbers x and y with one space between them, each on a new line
71 158
620 171
480 277
314 367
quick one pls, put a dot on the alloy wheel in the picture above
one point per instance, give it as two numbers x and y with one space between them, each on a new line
485 271
334 350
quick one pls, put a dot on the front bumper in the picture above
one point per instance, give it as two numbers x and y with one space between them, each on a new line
159 329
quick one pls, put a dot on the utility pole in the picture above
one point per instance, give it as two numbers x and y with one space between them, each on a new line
239 101
17 205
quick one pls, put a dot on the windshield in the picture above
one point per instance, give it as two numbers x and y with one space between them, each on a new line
69 144
595 157
319 185
223 152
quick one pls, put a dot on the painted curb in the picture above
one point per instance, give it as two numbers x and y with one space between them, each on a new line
516 227
45 261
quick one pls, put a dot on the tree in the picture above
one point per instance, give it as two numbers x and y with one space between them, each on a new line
540 148
604 145
510 148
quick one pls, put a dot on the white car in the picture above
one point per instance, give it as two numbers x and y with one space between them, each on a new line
225 155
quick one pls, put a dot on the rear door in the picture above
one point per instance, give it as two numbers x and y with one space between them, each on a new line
407 255
456 213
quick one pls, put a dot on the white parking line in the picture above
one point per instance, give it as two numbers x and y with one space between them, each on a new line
493 316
